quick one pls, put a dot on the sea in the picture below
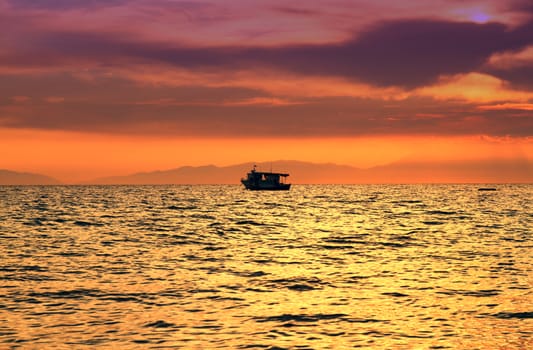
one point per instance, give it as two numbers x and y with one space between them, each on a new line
219 267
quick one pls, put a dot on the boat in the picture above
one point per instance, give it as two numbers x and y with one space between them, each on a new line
265 181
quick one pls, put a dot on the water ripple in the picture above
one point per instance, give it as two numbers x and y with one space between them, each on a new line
318 267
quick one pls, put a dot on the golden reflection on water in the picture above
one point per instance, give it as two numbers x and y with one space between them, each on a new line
397 267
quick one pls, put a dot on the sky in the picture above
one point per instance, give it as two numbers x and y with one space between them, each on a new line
92 88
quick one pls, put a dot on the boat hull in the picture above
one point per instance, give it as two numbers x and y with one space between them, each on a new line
266 187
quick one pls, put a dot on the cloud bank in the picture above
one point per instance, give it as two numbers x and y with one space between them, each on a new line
177 67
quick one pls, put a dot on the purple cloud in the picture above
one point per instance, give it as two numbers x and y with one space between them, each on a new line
405 53
64 4
401 53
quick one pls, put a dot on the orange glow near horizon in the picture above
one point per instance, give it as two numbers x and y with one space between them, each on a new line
74 157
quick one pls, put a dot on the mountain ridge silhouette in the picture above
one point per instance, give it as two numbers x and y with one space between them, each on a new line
10 177
301 172
489 171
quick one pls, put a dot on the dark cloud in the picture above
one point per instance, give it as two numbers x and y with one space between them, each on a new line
521 6
520 77
64 4
296 11
405 53
323 120
521 74
102 89
112 105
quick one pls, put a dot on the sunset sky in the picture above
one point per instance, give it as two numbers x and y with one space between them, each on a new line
93 88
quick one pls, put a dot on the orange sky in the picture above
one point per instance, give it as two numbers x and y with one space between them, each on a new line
99 88
74 157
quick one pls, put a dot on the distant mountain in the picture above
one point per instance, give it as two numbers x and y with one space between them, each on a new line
8 177
476 171
210 174
486 171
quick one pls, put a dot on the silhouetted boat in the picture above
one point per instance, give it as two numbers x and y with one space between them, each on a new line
265 181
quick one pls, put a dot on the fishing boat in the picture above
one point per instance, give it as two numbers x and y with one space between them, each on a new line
265 181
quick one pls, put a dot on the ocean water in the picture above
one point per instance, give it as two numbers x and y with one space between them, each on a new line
218 267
